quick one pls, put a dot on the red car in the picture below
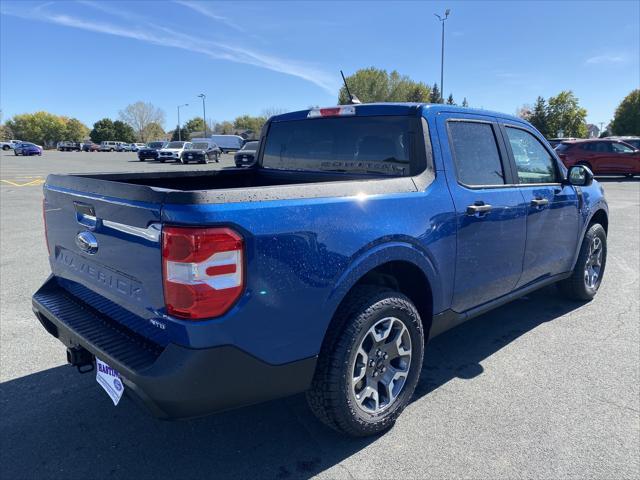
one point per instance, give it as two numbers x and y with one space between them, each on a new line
602 156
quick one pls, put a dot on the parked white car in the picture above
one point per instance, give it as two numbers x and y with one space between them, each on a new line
138 146
173 151
10 145
111 146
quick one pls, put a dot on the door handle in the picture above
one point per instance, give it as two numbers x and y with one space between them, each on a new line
478 209
539 202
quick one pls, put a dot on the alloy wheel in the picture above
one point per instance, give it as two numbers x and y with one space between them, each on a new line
381 365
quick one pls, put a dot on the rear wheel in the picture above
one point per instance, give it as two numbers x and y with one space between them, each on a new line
585 280
369 363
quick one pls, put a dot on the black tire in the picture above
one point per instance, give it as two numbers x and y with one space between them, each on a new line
577 286
5 147
332 397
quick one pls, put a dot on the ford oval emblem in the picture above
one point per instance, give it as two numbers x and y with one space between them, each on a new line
87 242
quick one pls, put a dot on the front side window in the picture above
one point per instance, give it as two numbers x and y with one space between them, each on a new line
476 153
533 162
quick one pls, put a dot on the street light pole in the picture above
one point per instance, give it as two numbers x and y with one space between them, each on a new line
179 127
204 113
442 20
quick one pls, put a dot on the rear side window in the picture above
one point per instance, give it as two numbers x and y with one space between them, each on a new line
563 147
476 153
533 162
381 145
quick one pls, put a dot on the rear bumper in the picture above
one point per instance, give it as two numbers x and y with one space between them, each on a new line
172 381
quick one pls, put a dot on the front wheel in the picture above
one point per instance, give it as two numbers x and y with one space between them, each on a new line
6 147
585 280
369 364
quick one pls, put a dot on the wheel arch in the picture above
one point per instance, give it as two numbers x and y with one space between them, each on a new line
401 267
600 216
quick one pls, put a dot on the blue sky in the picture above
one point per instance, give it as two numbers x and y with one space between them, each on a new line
89 59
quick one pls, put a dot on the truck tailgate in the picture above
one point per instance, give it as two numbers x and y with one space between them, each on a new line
107 252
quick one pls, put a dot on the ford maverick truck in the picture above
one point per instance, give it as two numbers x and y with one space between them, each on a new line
361 232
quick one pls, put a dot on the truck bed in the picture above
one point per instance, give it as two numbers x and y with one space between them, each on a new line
229 185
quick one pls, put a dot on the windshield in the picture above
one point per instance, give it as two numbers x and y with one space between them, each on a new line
347 144
250 146
175 145
199 146
156 144
563 147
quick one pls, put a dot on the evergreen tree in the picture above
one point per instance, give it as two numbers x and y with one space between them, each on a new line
435 96
464 102
450 100
539 119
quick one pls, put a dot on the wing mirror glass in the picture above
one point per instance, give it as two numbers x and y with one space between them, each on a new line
580 176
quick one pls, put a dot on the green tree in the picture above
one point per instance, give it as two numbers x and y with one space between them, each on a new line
538 117
247 122
464 102
184 135
450 100
564 114
224 128
103 131
153 131
195 125
377 85
626 120
124 132
75 130
6 133
435 96
42 128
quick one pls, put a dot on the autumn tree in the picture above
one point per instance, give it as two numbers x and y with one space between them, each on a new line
139 115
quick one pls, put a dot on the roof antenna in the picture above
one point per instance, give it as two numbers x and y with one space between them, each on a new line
353 100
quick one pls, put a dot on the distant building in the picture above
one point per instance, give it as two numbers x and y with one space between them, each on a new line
594 131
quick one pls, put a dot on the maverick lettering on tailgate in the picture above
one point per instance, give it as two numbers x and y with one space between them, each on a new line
99 274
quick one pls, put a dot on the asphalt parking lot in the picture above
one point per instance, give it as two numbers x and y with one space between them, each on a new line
540 388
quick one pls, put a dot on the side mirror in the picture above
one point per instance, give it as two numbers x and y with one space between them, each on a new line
580 176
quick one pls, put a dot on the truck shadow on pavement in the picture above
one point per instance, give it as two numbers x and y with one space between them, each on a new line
57 423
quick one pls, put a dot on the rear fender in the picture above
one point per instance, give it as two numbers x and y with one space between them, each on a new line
364 262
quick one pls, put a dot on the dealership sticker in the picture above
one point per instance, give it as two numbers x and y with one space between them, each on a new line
110 380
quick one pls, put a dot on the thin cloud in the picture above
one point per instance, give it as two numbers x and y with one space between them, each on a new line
606 60
162 36
203 10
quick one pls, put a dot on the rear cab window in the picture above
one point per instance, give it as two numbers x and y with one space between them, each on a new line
382 145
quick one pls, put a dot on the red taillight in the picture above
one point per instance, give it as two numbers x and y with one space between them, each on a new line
203 271
44 222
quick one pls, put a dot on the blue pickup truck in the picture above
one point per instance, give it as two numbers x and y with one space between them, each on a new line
361 232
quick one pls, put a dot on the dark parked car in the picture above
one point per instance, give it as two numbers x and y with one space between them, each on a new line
363 232
602 156
151 151
246 156
201 151
90 147
27 149
69 146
